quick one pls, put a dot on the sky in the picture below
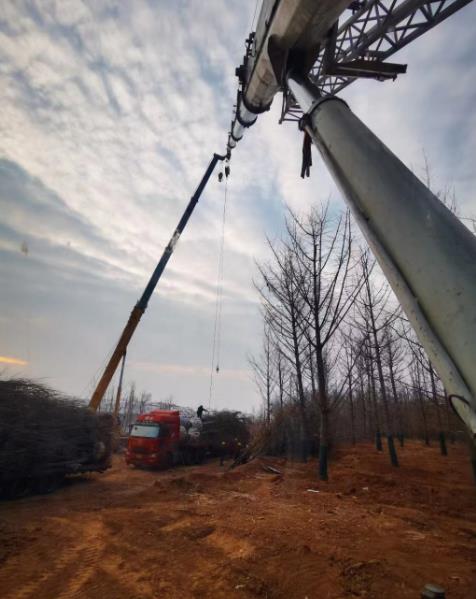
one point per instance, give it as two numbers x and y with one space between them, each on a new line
111 111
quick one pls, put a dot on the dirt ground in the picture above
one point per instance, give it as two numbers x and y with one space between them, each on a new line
205 532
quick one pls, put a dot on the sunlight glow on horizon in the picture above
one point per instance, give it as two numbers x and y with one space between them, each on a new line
13 361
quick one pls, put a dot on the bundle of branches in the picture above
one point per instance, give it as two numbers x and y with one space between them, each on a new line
45 436
284 435
257 446
227 427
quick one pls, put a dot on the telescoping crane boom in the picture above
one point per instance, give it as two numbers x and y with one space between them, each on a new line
141 305
426 253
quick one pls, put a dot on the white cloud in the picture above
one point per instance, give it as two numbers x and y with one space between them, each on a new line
183 370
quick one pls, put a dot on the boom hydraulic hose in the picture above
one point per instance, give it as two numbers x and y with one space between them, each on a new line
141 305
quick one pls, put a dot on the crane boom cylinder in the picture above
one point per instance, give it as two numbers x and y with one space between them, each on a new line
141 305
427 254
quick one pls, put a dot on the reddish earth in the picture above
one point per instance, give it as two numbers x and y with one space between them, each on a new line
203 532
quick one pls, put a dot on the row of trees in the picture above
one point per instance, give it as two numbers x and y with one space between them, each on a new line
339 360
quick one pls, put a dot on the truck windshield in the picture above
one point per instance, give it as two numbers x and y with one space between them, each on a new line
151 431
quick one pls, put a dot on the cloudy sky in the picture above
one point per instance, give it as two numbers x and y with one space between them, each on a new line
110 113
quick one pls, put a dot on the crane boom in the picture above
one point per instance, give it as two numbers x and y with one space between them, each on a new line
141 305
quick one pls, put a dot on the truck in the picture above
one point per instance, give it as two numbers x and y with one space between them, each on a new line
165 438
45 437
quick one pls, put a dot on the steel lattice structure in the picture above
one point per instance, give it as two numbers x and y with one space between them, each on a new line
376 30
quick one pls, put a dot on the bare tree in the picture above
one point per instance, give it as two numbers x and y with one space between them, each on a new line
281 369
144 401
349 366
263 367
284 314
370 371
129 408
427 371
374 311
324 258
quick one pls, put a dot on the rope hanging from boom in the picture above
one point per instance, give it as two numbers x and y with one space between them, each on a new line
216 344
306 156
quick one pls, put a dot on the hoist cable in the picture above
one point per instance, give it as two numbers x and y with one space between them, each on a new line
220 267
216 344
254 16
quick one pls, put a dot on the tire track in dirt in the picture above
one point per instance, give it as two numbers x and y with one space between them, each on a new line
119 564
100 568
71 567
89 558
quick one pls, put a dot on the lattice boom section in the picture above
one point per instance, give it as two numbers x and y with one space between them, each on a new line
375 30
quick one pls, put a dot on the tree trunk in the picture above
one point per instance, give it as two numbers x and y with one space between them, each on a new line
378 434
364 407
401 434
351 402
324 412
441 433
449 425
300 387
388 421
423 417
280 379
268 384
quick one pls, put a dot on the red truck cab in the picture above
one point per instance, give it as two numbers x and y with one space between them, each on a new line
154 439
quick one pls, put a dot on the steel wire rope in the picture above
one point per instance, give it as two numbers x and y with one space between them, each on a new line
216 344
254 15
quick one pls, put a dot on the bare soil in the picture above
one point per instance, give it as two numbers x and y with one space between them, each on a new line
371 531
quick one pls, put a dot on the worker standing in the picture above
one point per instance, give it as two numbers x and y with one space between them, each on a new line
200 411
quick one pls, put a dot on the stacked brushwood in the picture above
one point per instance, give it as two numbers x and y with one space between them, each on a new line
225 432
45 436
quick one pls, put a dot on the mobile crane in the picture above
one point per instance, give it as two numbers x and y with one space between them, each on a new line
139 309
